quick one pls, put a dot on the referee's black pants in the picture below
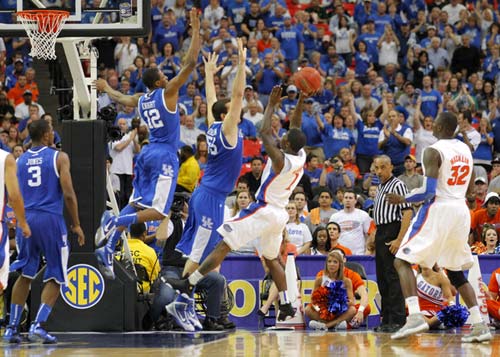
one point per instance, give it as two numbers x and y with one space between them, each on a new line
393 302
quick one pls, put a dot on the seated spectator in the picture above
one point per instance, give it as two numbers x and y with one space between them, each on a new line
201 155
321 317
489 214
368 206
370 179
251 97
300 199
494 184
335 136
23 108
489 241
253 114
312 169
189 133
189 170
334 231
17 151
410 177
493 298
338 177
319 216
346 156
298 233
128 113
320 244
480 189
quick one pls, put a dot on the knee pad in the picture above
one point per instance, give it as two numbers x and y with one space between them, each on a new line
457 278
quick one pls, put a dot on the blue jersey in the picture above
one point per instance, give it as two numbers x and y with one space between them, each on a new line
164 125
39 180
224 162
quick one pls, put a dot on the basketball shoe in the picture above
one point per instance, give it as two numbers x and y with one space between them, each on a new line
178 310
105 258
480 332
286 311
12 335
38 334
191 315
415 323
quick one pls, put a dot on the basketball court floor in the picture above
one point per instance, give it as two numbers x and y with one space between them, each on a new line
256 343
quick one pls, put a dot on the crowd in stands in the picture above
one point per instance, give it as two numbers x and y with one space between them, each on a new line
389 69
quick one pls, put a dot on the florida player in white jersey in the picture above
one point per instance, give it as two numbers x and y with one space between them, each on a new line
157 165
439 232
266 218
9 191
45 182
206 207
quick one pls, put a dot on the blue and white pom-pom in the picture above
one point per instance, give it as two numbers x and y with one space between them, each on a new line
453 316
337 298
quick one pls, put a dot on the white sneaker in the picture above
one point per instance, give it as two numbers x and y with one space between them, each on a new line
317 325
178 310
480 332
415 323
341 326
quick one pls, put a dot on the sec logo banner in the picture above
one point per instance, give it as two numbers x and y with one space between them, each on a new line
85 287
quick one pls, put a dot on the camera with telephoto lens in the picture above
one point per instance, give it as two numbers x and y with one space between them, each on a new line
178 204
108 114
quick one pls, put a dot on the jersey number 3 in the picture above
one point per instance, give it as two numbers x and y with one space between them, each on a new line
153 119
458 175
36 176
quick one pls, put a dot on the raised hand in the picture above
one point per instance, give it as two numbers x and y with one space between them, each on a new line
242 52
275 97
211 67
195 20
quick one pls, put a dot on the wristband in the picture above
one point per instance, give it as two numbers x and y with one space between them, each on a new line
361 308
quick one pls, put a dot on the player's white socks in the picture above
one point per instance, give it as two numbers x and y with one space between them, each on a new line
475 315
283 298
413 306
195 277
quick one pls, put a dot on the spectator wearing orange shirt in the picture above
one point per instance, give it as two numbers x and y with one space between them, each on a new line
489 214
15 95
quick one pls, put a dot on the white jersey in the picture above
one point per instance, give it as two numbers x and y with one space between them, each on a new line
4 238
276 189
456 169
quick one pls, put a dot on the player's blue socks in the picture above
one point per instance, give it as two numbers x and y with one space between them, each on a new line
43 313
15 314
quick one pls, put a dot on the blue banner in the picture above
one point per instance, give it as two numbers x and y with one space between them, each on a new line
245 273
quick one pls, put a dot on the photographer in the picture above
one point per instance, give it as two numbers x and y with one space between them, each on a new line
122 152
339 177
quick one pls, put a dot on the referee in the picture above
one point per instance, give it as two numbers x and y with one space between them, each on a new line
392 222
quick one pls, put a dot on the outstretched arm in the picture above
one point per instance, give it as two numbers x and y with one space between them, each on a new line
117 96
211 69
230 124
173 86
266 132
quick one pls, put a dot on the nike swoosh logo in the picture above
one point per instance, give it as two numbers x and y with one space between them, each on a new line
108 225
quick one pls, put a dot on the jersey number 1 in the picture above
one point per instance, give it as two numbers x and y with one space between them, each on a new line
458 175
36 176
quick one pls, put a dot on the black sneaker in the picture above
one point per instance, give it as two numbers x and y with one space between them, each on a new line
285 311
226 323
211 325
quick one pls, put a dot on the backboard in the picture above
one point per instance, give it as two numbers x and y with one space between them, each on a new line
88 18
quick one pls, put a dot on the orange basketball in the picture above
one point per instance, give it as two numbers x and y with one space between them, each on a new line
308 80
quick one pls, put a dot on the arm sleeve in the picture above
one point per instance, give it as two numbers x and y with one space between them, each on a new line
426 192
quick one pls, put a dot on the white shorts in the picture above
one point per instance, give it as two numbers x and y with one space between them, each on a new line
265 222
439 234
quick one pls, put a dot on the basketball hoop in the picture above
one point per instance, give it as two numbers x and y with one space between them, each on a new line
43 27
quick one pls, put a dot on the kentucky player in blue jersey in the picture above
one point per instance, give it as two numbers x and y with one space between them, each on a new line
206 207
156 167
45 181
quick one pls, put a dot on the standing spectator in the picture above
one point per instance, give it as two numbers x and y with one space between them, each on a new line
369 128
214 13
344 40
484 152
125 53
410 177
300 200
320 244
290 101
388 46
189 133
466 132
453 10
423 135
23 109
495 175
438 56
355 224
466 58
166 31
392 222
249 22
310 127
335 137
292 43
432 103
122 152
366 100
339 177
312 170
320 216
421 67
268 76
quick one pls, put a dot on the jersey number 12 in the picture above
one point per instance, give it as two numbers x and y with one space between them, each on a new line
153 118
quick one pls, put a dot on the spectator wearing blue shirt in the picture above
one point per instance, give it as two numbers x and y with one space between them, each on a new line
309 32
292 43
483 155
473 30
338 178
381 18
491 64
312 170
168 63
290 101
314 141
432 103
335 136
166 32
363 11
187 99
128 113
275 21
336 67
267 77
247 129
236 9
371 38
369 128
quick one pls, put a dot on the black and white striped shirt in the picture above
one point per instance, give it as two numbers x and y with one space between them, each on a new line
383 211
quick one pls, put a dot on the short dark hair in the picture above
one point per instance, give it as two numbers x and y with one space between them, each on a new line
310 156
150 77
37 129
257 158
297 139
187 149
137 229
219 108
448 121
323 190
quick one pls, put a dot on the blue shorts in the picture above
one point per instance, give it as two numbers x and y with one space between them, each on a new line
4 255
48 237
206 214
155 178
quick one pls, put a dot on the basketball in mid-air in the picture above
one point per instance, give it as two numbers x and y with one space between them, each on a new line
308 80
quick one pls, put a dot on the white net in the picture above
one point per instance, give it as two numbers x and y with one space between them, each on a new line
43 27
